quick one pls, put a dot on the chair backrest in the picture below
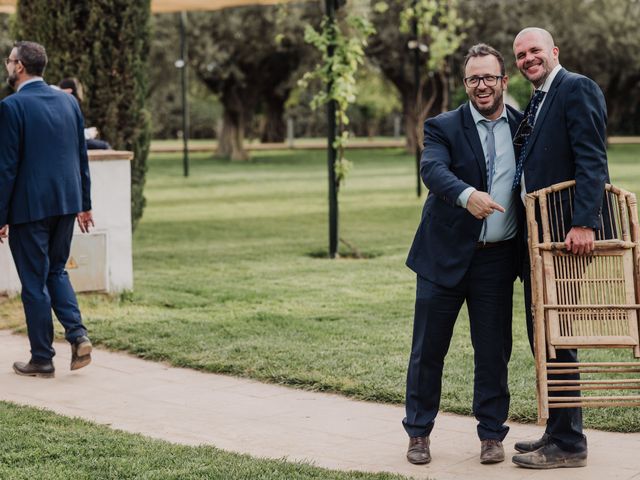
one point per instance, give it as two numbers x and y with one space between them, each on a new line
589 300
558 201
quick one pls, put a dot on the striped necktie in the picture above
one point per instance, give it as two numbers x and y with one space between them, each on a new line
525 129
491 163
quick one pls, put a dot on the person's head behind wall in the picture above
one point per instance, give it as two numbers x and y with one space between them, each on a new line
73 86
485 80
26 60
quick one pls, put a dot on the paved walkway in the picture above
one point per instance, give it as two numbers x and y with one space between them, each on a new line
300 144
175 146
189 407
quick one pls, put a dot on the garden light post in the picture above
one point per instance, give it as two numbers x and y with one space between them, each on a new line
417 48
416 82
181 63
331 6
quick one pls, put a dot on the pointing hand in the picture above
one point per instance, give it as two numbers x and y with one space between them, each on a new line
481 205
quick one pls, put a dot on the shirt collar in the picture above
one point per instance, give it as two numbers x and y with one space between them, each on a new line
547 83
27 82
478 117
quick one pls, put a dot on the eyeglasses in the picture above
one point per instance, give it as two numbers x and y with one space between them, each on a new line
523 132
489 80
8 60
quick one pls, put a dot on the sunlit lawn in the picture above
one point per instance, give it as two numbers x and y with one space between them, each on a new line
228 279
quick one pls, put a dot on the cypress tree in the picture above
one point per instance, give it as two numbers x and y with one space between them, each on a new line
105 44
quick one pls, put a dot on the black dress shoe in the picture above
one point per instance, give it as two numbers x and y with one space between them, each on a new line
81 352
532 445
31 369
418 452
551 456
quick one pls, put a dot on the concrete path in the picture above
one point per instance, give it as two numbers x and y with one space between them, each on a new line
189 407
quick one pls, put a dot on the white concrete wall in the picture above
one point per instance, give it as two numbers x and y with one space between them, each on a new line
111 201
9 283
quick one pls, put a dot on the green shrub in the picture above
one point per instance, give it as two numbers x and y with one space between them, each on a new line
105 44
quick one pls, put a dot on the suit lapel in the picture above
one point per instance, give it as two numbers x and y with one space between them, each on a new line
548 101
513 123
471 132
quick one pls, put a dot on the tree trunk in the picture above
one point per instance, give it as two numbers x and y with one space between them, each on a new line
433 101
232 135
444 81
371 128
411 124
274 128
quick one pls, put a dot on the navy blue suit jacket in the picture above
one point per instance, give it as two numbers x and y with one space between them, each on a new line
569 142
452 160
44 169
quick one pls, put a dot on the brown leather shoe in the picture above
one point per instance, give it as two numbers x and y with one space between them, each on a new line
491 451
418 452
551 456
81 352
30 369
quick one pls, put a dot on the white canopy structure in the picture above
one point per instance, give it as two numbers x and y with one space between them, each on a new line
160 6
163 6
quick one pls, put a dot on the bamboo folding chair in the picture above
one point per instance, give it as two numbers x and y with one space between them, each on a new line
584 301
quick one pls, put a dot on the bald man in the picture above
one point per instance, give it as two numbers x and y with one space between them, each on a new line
562 137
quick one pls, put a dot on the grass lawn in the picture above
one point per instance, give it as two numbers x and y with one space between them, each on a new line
39 444
228 279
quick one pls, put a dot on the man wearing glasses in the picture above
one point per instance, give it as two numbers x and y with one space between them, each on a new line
465 249
562 137
44 187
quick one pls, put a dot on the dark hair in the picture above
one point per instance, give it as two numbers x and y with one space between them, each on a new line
74 85
482 50
32 56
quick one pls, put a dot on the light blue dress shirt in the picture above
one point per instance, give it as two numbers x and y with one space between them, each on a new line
498 226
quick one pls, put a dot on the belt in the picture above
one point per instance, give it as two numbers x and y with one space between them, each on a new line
501 243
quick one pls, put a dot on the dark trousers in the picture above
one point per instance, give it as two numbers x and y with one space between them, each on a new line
40 251
565 424
487 288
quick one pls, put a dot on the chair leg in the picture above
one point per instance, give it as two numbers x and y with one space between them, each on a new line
539 343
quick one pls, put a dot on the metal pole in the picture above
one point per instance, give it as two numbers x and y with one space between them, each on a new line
331 151
185 84
290 132
416 81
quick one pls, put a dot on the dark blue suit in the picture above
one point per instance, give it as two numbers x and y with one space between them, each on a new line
568 142
44 182
451 270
